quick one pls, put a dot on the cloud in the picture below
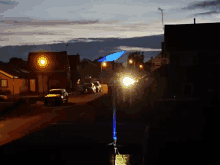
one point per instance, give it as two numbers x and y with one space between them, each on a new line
34 22
99 47
5 5
206 13
128 48
208 3
8 2
204 4
26 33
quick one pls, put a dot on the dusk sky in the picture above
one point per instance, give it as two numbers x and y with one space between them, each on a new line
33 23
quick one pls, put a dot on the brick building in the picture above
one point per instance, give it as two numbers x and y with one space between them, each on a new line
48 70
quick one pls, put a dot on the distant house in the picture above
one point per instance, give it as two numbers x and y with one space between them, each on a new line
194 58
13 80
74 62
158 61
88 68
136 59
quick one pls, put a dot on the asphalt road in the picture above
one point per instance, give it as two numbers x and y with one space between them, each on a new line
85 120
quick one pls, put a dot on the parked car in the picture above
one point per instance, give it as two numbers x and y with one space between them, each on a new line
90 87
98 86
80 88
3 98
56 95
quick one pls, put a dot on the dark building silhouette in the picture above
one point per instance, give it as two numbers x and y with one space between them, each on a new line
194 55
179 131
74 61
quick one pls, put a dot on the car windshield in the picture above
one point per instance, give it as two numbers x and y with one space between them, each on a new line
55 92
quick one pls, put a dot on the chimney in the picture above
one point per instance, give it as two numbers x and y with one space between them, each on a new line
194 21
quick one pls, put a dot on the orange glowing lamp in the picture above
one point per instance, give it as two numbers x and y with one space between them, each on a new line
43 62
130 61
104 64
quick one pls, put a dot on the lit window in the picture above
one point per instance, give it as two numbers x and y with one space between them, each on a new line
4 83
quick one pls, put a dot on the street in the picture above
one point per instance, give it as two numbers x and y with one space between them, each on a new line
84 120
90 120
87 120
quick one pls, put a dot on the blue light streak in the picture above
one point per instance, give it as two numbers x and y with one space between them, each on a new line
114 127
112 57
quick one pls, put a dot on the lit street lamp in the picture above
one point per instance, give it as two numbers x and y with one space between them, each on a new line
127 82
112 58
43 63
140 66
103 65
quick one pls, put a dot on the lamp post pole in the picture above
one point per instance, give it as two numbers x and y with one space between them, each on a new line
43 83
114 98
162 15
13 87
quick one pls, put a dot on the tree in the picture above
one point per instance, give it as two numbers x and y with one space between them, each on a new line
13 59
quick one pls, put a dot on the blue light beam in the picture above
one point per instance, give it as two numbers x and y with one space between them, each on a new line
114 128
112 57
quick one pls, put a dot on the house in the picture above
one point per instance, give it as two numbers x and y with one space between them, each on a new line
158 61
194 59
135 59
88 68
74 61
14 80
48 70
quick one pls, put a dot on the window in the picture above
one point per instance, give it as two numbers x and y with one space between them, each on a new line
4 83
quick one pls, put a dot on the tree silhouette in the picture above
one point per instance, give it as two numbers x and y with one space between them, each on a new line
14 59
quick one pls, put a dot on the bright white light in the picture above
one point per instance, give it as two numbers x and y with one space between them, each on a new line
128 81
42 62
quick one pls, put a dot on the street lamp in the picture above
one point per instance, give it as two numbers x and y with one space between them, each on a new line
162 14
103 65
43 63
127 82
131 61
140 66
